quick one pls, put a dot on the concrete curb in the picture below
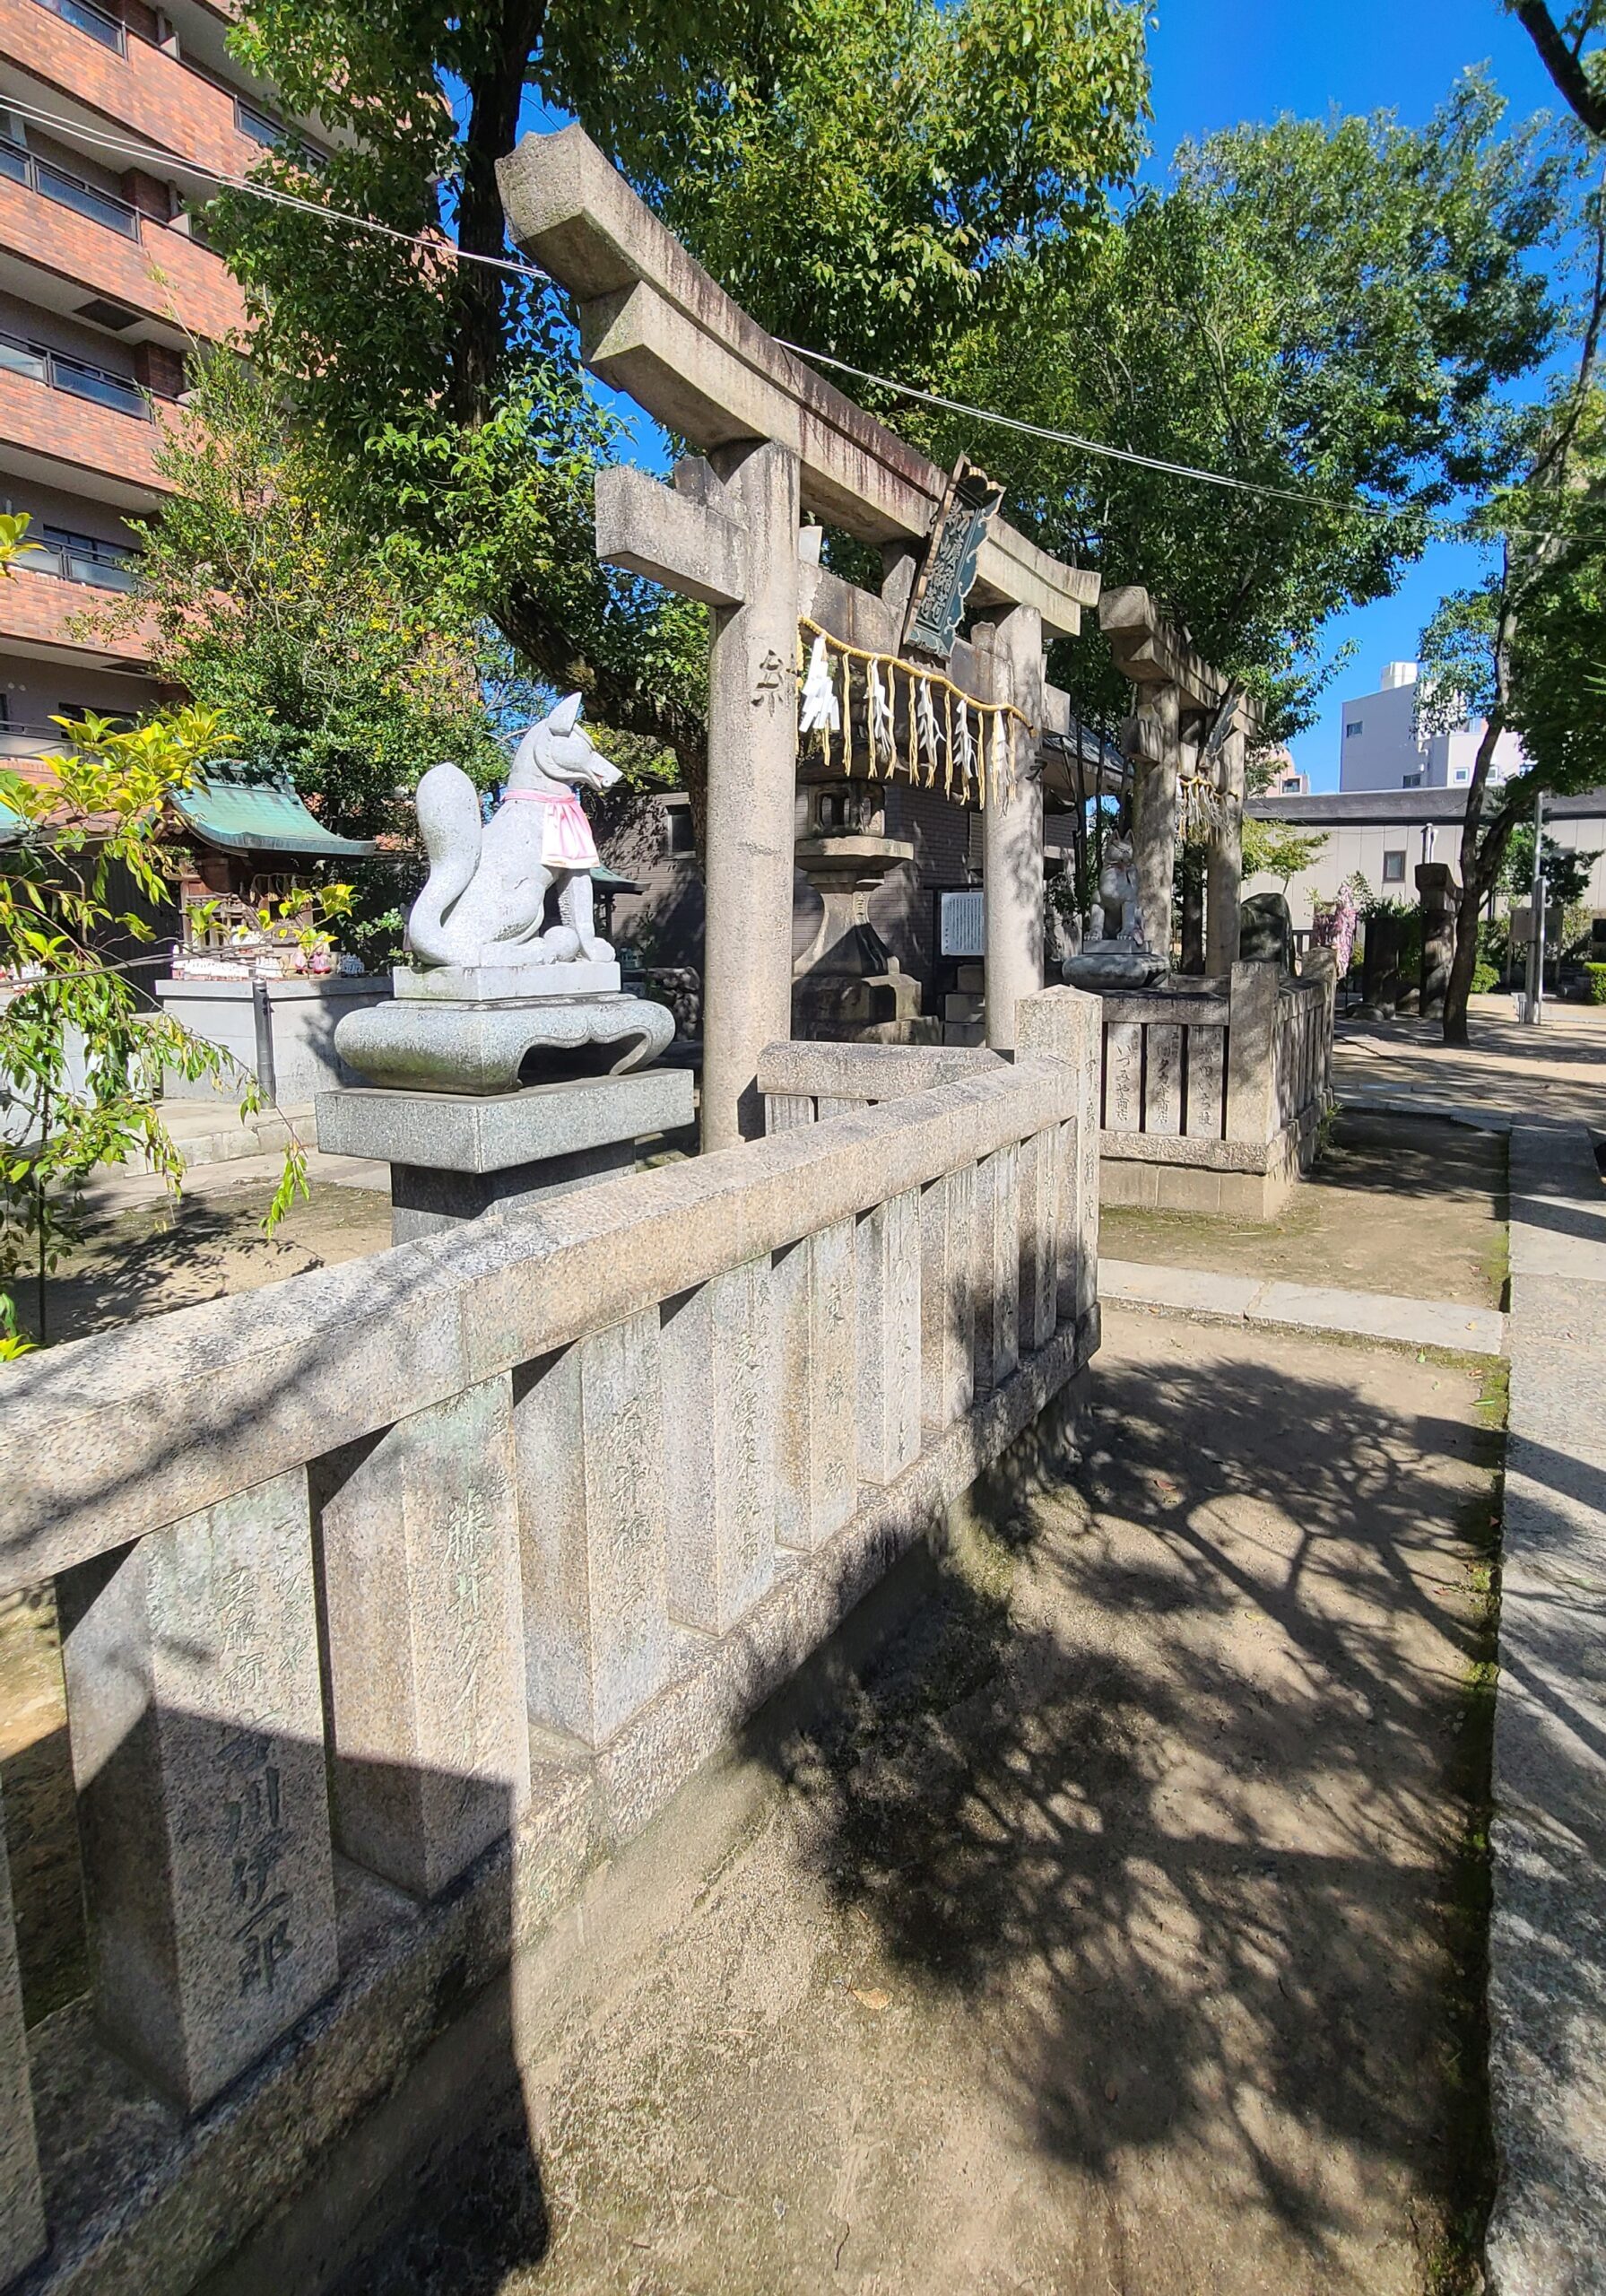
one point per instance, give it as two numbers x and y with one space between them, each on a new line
1443 1324
1547 1955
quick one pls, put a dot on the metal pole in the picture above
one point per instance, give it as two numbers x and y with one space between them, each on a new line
262 1015
1536 944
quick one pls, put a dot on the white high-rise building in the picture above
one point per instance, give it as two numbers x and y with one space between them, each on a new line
1381 747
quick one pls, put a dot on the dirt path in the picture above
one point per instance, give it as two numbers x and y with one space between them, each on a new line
1405 1204
1107 1941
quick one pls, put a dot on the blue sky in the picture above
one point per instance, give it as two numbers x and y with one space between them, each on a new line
1216 63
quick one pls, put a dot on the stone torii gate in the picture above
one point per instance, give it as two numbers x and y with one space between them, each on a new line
774 443
1171 680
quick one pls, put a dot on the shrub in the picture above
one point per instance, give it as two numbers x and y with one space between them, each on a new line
1595 991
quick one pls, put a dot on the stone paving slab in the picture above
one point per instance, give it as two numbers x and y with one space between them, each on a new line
1301 1307
1548 1931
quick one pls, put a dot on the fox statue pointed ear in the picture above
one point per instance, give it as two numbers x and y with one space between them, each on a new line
563 718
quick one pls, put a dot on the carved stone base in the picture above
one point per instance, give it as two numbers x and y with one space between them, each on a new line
429 1046
496 984
1102 965
454 1157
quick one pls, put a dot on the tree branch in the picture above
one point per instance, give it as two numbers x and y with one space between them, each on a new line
1563 63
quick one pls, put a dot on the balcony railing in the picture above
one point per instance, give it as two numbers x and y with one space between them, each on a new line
67 190
262 127
84 17
76 376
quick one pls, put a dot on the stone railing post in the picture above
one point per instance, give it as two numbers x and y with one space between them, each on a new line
997 1267
421 1592
888 1252
1321 965
1065 1024
589 1438
22 2208
948 1297
197 1734
1012 832
1250 1053
719 1446
815 1295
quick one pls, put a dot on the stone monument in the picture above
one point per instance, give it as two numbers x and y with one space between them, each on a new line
1266 931
509 1064
1439 895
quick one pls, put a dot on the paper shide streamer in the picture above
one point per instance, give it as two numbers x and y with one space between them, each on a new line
852 702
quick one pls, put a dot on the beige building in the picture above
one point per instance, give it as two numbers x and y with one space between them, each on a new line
1383 834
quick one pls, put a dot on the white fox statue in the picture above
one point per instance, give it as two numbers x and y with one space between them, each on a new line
484 900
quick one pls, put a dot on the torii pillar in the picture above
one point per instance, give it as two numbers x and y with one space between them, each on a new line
726 532
1153 741
1224 861
1012 830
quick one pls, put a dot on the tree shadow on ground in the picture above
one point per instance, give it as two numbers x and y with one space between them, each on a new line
1180 1756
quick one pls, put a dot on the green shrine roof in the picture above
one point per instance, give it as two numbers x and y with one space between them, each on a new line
245 808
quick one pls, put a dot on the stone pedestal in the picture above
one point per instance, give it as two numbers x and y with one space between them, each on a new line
454 1156
1439 894
846 983
482 1029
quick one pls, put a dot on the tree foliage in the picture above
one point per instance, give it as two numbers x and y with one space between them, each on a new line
82 864
1330 310
346 657
888 161
943 193
1276 849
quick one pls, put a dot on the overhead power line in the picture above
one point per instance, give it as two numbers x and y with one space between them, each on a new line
1466 528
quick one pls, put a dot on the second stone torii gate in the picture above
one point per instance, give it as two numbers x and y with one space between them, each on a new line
1169 678
775 442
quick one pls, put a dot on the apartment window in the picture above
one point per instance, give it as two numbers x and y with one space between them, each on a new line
76 376
66 189
262 127
85 18
1394 868
86 558
1460 774
1353 726
1412 781
679 843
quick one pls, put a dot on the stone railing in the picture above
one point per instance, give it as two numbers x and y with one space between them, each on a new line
394 1596
1227 1078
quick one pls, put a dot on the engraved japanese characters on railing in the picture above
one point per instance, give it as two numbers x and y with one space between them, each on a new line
542 1474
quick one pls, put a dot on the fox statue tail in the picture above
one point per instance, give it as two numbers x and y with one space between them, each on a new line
448 819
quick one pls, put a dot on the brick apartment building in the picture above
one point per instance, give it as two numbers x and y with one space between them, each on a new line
105 281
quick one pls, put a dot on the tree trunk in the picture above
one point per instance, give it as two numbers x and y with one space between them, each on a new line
1482 850
495 93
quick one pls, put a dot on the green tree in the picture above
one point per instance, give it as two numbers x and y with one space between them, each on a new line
82 1056
1274 849
346 655
905 152
1566 871
1335 311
